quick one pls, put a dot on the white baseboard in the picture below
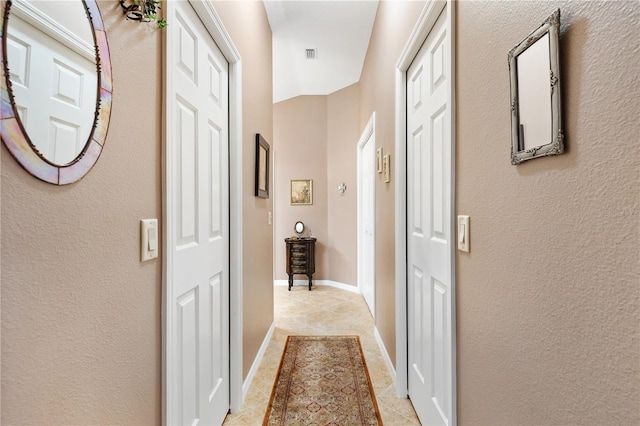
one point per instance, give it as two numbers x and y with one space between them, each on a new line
257 361
385 354
341 286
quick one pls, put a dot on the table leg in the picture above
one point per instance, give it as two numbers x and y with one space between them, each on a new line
290 282
310 284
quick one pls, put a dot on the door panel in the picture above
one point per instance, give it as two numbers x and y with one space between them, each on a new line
198 233
368 188
215 153
43 65
188 347
438 178
366 214
216 301
186 156
428 223
418 355
416 179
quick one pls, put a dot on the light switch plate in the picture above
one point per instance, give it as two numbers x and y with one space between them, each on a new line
463 233
148 239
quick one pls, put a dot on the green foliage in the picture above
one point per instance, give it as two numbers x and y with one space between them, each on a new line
144 11
151 9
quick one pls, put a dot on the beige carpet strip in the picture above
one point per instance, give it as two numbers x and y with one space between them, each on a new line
322 380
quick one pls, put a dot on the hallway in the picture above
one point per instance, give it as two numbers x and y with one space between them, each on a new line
324 310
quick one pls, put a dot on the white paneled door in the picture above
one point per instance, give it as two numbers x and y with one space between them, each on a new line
429 245
366 214
55 86
197 158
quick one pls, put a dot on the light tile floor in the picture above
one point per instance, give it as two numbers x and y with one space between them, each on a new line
323 311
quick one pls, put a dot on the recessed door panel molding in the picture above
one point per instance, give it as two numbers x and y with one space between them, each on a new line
187 50
188 314
64 141
67 84
416 79
187 153
415 183
215 181
215 76
23 114
438 178
417 326
216 323
20 53
438 64
439 355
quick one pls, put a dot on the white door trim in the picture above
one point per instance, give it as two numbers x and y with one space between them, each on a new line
214 25
369 131
426 21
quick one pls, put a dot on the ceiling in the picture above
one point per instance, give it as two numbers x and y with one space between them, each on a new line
338 30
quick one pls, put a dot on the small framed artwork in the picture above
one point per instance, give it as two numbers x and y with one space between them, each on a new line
379 160
386 168
301 192
262 167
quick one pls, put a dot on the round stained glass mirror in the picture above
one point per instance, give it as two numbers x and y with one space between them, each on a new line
56 87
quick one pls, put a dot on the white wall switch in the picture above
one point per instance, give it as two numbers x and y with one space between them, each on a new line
148 239
463 233
269 218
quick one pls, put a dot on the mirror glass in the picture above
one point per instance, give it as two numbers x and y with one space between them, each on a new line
56 86
299 228
52 68
535 94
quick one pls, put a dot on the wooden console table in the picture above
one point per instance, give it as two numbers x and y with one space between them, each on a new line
300 258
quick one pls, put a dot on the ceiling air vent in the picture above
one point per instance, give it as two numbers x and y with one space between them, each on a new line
311 53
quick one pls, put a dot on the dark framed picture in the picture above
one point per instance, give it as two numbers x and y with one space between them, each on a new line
262 167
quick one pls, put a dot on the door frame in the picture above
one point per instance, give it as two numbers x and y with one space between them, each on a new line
426 21
212 22
368 132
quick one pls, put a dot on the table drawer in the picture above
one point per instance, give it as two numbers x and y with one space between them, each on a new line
299 262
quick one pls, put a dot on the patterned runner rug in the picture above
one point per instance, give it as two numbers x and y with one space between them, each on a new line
322 380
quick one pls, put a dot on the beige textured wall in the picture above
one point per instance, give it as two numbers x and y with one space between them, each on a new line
343 132
548 297
394 22
317 137
81 333
300 129
81 329
247 24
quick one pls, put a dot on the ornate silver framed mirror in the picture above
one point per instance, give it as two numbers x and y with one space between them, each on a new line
299 228
534 69
55 87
